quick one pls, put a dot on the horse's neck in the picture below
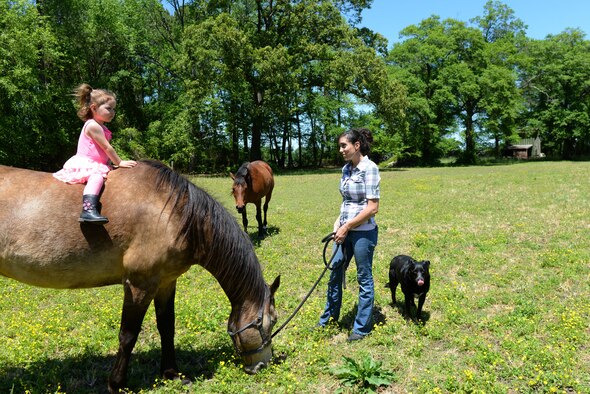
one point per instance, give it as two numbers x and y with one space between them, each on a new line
241 282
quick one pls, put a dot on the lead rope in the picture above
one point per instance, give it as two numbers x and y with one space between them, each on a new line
326 240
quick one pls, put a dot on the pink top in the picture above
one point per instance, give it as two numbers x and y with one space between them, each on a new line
90 159
88 148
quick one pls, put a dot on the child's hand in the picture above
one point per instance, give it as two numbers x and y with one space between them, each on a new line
127 163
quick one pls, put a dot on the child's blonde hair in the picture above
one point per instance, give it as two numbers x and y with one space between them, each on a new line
87 96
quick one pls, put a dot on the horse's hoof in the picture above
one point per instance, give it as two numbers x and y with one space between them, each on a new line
172 374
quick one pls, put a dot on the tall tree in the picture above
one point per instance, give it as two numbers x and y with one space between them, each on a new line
273 57
418 60
457 74
556 81
505 38
31 99
61 44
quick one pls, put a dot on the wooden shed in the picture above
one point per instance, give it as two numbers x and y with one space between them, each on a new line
526 148
521 151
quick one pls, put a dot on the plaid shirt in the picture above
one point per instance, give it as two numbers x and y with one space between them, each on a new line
357 186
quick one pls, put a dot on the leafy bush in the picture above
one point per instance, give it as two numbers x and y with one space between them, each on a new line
366 375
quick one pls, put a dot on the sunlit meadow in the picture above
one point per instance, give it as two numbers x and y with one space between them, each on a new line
507 311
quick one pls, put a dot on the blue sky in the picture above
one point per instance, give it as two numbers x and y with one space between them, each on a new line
542 17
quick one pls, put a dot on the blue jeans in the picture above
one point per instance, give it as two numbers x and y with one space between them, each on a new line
361 245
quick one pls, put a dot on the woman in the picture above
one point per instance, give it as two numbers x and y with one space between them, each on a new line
355 230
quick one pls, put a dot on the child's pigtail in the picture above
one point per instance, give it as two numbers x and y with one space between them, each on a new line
83 95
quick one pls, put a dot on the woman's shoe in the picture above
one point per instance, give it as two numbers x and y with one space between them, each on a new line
355 337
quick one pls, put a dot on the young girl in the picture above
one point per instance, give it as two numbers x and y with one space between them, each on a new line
90 164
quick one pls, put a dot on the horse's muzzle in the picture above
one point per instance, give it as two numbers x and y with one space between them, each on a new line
253 370
255 362
240 209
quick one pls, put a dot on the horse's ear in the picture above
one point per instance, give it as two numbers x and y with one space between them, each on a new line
232 176
275 285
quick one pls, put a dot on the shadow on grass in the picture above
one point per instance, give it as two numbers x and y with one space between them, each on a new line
270 231
347 320
89 373
401 308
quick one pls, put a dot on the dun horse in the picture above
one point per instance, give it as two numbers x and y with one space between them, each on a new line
252 182
160 224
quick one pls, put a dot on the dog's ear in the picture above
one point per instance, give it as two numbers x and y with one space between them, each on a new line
426 264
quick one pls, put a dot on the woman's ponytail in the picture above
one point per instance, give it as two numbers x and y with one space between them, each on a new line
360 135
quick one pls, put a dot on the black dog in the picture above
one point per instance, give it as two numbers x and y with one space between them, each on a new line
414 278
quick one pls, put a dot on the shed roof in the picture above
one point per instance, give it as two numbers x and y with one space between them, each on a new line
518 147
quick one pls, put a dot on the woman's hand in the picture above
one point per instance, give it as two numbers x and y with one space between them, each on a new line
341 233
370 210
336 224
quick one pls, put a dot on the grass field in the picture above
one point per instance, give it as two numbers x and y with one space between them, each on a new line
507 312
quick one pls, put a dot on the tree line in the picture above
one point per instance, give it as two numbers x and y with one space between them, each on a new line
203 85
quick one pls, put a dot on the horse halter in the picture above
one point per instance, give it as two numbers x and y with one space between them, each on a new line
256 323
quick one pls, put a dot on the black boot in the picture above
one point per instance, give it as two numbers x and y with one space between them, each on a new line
90 210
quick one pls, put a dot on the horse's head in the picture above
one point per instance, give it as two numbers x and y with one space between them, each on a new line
250 329
239 191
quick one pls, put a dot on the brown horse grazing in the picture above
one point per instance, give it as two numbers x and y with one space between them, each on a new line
252 182
160 224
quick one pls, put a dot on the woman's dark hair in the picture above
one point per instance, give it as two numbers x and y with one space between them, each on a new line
362 135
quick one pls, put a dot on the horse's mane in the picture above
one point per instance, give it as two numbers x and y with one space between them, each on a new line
213 235
241 174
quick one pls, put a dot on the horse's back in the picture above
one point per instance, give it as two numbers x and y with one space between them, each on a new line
264 167
262 177
43 244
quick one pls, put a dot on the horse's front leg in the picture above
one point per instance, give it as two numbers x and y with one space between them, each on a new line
265 207
245 219
135 305
164 305
261 227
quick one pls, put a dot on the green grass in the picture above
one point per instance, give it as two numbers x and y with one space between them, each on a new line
507 312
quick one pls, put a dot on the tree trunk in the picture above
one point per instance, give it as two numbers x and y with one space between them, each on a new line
255 148
469 156
569 148
299 142
235 135
282 152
